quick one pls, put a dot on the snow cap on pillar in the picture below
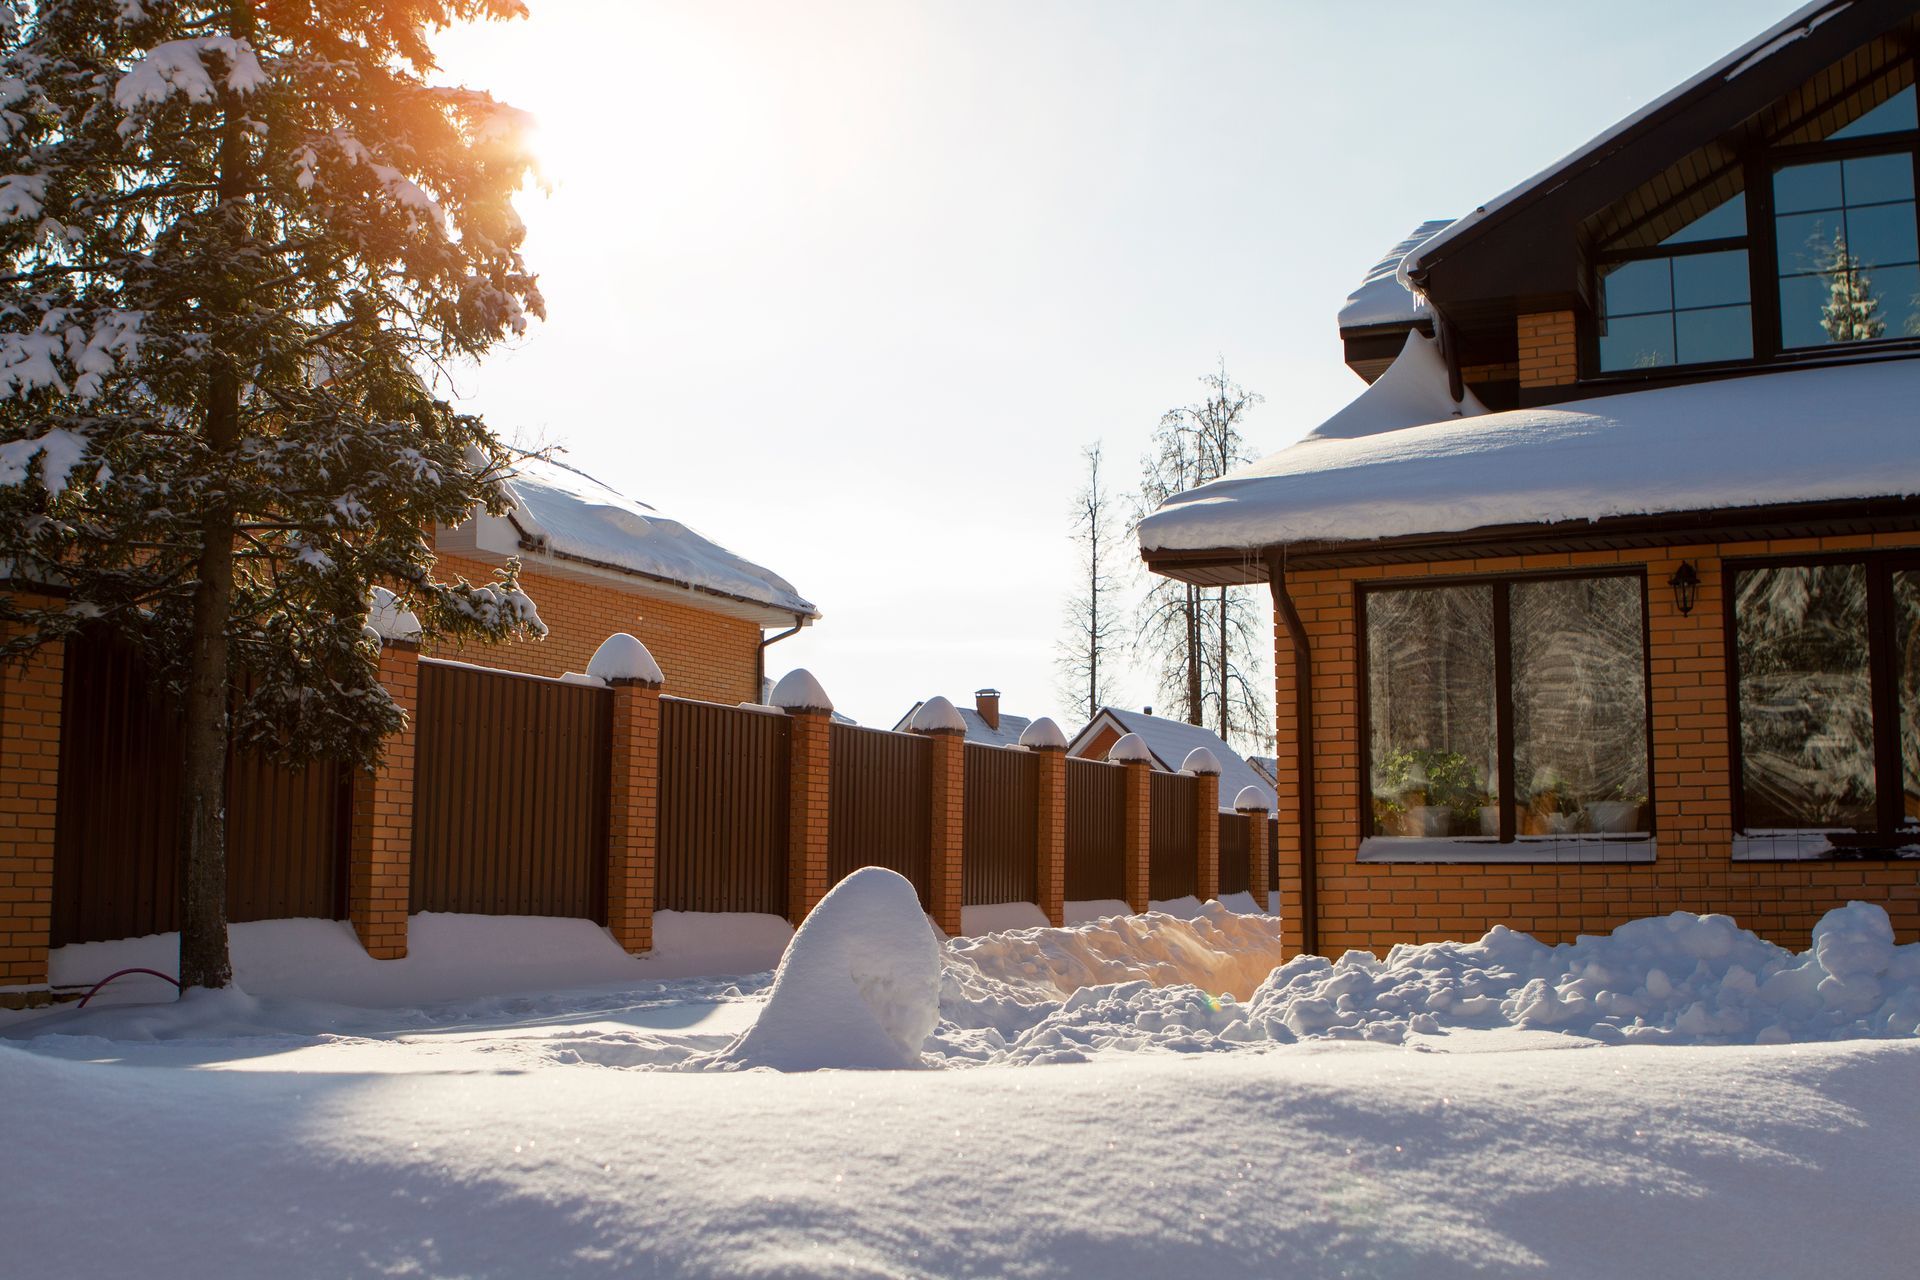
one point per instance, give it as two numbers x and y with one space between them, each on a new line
1252 800
1043 735
622 657
1130 749
799 691
1200 760
937 715
385 616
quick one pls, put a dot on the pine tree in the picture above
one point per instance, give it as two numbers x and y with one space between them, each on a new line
1851 312
1093 617
238 239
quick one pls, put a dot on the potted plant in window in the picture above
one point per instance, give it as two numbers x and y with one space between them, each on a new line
1618 813
1435 789
1552 807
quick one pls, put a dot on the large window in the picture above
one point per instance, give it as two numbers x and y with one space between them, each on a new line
1826 669
1847 250
1683 302
1509 712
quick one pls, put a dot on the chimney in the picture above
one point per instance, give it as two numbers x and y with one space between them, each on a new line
987 703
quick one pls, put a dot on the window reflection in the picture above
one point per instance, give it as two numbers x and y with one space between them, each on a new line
1430 702
1847 250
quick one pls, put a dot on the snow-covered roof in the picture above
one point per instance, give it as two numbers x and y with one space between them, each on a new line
1793 27
978 730
569 516
1837 432
1382 298
1171 742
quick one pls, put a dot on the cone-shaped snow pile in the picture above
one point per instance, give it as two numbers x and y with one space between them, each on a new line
859 986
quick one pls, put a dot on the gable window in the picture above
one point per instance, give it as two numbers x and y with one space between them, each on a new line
1507 720
1847 249
1686 301
1826 690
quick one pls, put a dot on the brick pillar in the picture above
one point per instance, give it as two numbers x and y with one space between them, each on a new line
948 807
1256 820
633 812
1050 842
30 689
1549 353
1206 837
1289 885
1137 833
380 870
809 756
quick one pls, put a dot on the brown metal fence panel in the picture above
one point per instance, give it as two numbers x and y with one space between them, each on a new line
1233 853
116 839
879 812
723 809
1002 831
1273 858
510 794
1096 831
1171 866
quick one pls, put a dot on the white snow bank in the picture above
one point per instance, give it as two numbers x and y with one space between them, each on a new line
859 986
1844 431
998 917
623 657
449 956
799 691
1415 389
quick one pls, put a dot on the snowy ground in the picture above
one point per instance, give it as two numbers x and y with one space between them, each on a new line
1416 1116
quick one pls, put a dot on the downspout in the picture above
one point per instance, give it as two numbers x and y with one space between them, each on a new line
760 654
1284 608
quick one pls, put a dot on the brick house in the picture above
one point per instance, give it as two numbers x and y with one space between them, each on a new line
1600 600
598 562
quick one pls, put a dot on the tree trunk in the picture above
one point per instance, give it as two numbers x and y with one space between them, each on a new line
1224 720
1196 698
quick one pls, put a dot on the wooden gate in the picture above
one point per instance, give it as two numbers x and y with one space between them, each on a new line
880 804
1002 836
1096 831
723 809
510 794
1173 863
116 862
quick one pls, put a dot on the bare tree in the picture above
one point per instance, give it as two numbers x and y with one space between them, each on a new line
1093 618
1204 645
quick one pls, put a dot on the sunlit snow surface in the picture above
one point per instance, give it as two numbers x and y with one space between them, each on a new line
1418 1115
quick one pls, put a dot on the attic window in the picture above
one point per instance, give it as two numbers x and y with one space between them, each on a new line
1687 300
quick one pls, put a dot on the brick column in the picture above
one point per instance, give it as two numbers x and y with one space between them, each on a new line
1256 820
1137 833
948 836
1206 838
30 689
809 793
1289 885
633 812
380 869
1050 841
1549 352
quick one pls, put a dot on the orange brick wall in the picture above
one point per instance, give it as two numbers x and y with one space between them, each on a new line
633 808
703 654
948 817
1549 353
29 793
1373 905
809 797
380 870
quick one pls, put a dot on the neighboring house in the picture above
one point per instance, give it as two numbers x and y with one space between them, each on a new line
597 562
1599 601
986 723
1169 741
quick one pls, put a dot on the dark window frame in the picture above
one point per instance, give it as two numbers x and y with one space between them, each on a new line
1503 689
1758 165
1890 829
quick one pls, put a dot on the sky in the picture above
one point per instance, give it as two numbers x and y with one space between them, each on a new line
849 286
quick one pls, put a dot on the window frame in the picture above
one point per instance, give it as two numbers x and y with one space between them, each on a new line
1885 840
1757 163
1509 846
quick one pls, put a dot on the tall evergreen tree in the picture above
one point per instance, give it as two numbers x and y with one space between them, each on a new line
238 239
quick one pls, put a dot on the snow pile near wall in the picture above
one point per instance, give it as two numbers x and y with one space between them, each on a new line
858 988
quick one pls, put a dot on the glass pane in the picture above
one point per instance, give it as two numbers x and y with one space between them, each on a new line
1800 187
1873 179
1803 303
1579 707
1722 333
1906 657
1898 291
1430 705
1710 279
1808 242
1806 708
1891 116
1724 222
1638 342
1634 287
1881 235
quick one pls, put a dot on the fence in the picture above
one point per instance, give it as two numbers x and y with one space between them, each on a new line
516 794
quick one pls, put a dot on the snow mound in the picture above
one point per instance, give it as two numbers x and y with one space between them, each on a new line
1131 747
1044 735
623 657
1200 760
1251 799
385 616
937 715
858 988
799 691
1682 978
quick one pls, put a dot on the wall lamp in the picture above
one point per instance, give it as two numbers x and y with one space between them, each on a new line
1686 586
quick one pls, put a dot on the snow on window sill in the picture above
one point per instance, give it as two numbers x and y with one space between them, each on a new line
1806 846
1623 848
